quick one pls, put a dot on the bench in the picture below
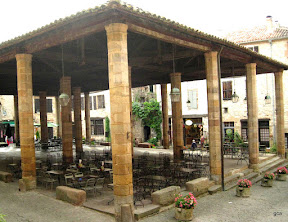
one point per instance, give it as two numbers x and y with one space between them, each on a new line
5 176
71 195
165 196
144 145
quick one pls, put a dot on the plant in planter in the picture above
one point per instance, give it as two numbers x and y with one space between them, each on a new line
243 188
281 173
184 206
267 180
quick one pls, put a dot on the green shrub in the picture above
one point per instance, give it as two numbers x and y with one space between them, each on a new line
273 149
153 141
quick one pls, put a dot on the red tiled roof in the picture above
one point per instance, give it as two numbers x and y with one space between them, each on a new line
259 33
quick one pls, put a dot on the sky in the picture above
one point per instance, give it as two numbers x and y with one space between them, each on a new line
216 17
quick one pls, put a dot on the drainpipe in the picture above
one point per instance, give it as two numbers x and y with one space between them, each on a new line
273 95
221 124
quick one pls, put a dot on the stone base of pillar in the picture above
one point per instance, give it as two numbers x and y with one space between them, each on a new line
27 183
124 205
216 178
254 167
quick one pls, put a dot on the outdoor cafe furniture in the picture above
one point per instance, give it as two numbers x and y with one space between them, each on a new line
57 173
49 180
90 186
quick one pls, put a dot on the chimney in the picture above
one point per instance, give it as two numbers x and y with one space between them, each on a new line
269 24
277 24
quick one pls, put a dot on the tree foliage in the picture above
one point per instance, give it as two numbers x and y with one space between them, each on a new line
107 129
150 114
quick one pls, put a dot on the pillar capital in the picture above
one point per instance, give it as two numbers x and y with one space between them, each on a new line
23 56
210 54
116 27
251 65
175 74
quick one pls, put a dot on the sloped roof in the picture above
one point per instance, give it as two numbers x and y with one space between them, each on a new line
260 33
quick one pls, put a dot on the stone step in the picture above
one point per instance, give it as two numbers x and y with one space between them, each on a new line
214 189
274 164
141 212
250 177
267 162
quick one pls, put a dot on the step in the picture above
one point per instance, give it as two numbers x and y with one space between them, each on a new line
267 162
272 165
141 212
214 189
250 177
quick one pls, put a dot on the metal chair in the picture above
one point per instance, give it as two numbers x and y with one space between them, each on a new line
99 185
90 186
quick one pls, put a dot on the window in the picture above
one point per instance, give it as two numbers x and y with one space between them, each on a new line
193 98
286 140
227 90
101 101
254 48
94 102
244 130
228 126
48 105
82 103
97 127
90 102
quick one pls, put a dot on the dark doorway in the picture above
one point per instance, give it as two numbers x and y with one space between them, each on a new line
50 132
147 133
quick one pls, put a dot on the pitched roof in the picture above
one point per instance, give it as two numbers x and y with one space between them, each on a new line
259 33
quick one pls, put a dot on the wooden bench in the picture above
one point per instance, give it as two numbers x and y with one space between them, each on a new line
144 145
71 195
6 177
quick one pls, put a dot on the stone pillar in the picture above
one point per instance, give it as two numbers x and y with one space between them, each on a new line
43 119
165 120
87 118
67 137
77 121
177 119
120 119
213 115
25 106
58 116
252 106
280 133
16 119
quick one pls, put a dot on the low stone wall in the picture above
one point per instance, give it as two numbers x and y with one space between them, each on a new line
5 176
71 195
199 186
144 145
165 196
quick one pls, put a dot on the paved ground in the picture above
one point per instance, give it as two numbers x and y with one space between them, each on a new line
264 205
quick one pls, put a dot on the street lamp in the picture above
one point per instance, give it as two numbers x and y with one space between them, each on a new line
175 95
64 99
235 97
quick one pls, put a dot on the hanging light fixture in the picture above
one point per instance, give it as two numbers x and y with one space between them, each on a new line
63 98
188 103
235 97
175 92
267 97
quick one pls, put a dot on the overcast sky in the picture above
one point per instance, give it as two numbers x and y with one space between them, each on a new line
216 17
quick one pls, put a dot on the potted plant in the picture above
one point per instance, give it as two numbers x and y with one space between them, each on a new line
184 206
267 180
243 188
281 173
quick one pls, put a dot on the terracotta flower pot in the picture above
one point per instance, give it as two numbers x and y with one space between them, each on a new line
281 177
183 214
267 182
242 191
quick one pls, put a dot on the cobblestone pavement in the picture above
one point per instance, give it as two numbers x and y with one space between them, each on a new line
265 204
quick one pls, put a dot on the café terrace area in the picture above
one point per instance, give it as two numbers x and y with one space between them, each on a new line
118 47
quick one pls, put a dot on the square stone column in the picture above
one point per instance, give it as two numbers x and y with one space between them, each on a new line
165 120
280 133
252 106
87 118
66 117
16 119
213 115
177 119
78 121
43 119
25 100
120 120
